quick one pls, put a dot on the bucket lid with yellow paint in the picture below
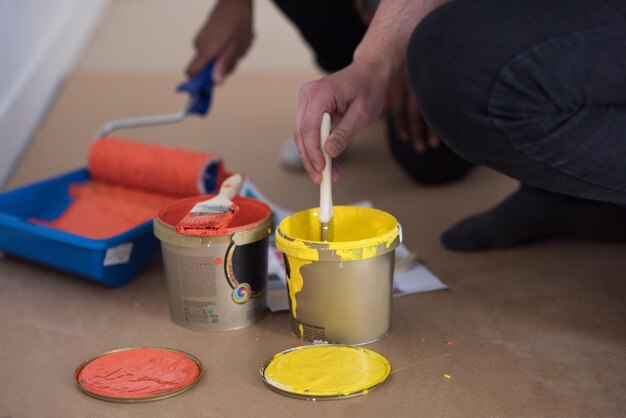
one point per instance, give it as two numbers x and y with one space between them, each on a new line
325 371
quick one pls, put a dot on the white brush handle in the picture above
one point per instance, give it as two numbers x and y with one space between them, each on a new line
326 198
231 186
221 202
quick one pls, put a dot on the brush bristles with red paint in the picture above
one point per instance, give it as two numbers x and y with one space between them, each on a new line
211 216
202 223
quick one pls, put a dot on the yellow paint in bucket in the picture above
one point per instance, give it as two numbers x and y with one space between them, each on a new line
340 291
324 371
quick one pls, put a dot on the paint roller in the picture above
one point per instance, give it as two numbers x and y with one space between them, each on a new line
132 180
154 168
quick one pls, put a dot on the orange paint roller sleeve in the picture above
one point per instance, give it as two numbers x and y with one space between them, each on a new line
149 167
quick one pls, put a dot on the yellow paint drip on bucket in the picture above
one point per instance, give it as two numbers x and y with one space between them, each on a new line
340 291
324 371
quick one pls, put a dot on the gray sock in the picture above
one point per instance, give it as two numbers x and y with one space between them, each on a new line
530 214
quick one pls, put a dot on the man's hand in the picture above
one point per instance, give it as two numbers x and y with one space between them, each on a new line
225 37
354 97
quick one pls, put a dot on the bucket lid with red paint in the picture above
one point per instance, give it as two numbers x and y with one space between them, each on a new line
139 374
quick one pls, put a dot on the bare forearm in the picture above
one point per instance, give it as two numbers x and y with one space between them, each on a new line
385 43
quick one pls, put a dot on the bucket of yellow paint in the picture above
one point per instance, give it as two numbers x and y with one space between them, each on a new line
340 291
216 283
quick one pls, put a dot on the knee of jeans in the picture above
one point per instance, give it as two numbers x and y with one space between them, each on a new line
433 69
452 74
422 44
434 43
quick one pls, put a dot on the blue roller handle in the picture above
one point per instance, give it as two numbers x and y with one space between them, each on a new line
200 88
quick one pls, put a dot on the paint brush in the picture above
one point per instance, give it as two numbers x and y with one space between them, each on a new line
326 199
211 216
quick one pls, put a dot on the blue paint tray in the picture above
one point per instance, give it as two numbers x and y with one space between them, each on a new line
113 261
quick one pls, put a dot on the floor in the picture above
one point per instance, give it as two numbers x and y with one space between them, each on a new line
534 331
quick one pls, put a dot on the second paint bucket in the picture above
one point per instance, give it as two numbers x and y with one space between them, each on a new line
216 283
340 292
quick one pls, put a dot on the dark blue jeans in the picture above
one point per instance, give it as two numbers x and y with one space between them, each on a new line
535 89
332 28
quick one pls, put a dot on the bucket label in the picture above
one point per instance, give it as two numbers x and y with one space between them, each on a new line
246 270
199 274
241 294
215 288
308 332
255 314
200 312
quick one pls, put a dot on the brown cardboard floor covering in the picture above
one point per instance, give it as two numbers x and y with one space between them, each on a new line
535 331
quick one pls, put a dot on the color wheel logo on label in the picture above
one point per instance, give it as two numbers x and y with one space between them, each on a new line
241 293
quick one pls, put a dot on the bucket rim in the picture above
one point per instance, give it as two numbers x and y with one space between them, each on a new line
190 201
167 234
346 250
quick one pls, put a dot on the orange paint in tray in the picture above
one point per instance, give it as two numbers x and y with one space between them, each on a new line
130 182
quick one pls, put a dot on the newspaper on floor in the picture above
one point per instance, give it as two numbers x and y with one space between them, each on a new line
410 276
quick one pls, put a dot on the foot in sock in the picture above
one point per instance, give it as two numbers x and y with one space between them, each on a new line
530 214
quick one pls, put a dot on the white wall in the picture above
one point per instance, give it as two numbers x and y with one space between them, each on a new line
40 41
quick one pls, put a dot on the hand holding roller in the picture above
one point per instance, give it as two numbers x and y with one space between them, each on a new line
200 90
326 198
